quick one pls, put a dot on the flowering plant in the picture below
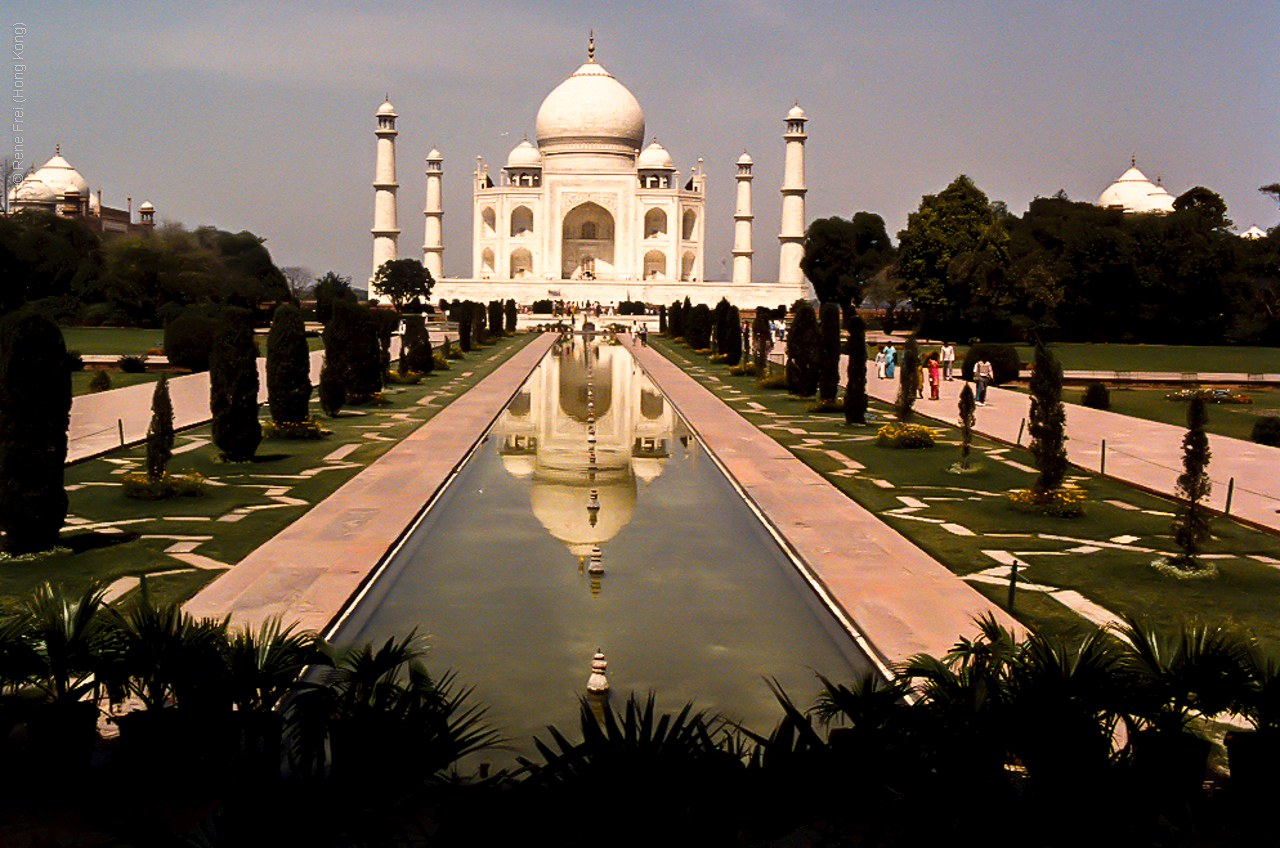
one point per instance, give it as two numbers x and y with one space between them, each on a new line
1063 502
895 434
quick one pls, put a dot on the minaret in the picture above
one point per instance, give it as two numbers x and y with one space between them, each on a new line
742 218
384 189
432 240
793 191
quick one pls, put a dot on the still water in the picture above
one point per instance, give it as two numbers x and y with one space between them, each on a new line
589 463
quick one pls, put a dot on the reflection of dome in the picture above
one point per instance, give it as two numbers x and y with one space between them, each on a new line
561 507
647 468
524 155
1133 192
573 387
655 158
591 108
519 465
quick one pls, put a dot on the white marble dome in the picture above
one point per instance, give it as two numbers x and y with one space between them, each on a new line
1133 192
57 176
386 109
656 158
591 108
524 155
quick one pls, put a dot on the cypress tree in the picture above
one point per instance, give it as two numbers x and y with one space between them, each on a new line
761 341
35 411
829 332
478 334
699 327
1191 525
662 318
364 359
908 380
1047 421
720 323
333 390
733 352
802 351
461 313
233 387
509 312
288 367
385 324
855 384
967 405
495 318
686 311
160 431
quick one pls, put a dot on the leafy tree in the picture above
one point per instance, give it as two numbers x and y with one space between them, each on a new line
1047 421
43 255
1191 525
1207 204
331 289
415 353
402 281
288 367
247 275
829 331
802 351
1273 189
966 407
160 431
233 387
188 339
908 380
840 256
855 386
301 281
959 220
35 412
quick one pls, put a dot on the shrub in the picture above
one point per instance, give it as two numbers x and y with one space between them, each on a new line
1096 396
802 352
139 486
75 360
100 382
288 366
542 307
1005 364
333 389
351 344
415 347
35 412
1266 431
188 341
233 387
132 364
308 428
1062 502
896 434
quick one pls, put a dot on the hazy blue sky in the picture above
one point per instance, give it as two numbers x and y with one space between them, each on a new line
259 115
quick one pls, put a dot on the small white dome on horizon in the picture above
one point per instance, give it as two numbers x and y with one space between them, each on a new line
386 109
1253 233
146 207
1133 192
435 156
796 112
744 159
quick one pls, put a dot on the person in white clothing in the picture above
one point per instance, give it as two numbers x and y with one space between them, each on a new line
982 374
947 357
880 363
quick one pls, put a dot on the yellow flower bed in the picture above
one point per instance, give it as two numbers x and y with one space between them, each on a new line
305 429
139 486
898 435
1066 502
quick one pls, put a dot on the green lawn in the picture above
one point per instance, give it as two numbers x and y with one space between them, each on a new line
110 536
1092 555
119 379
112 340
1226 419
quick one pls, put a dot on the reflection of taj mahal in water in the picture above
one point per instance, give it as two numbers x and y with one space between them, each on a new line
583 428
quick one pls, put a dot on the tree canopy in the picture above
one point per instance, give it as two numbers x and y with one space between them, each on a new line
402 281
841 256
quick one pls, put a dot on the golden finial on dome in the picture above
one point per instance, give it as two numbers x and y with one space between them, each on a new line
591 46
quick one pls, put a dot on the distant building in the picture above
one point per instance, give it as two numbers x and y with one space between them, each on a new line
58 188
1133 192
1253 233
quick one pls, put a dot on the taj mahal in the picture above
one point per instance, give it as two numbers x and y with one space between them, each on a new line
591 213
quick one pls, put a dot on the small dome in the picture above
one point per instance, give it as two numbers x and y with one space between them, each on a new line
386 109
655 157
434 156
146 207
32 191
1253 233
524 155
796 113
591 108
744 159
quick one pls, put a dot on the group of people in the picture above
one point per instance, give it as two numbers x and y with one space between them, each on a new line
938 365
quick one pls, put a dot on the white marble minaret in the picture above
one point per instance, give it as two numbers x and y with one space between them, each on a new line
433 239
793 190
742 218
384 189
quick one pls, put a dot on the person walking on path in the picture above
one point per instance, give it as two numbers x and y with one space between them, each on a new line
948 359
920 379
880 362
644 335
890 360
982 374
934 375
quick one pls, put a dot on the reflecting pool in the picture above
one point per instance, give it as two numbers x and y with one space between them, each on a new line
590 518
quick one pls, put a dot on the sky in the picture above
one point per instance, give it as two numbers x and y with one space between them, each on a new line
260 115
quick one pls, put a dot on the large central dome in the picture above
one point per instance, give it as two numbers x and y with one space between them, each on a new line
590 111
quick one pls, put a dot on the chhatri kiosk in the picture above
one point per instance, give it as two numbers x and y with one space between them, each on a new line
591 213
